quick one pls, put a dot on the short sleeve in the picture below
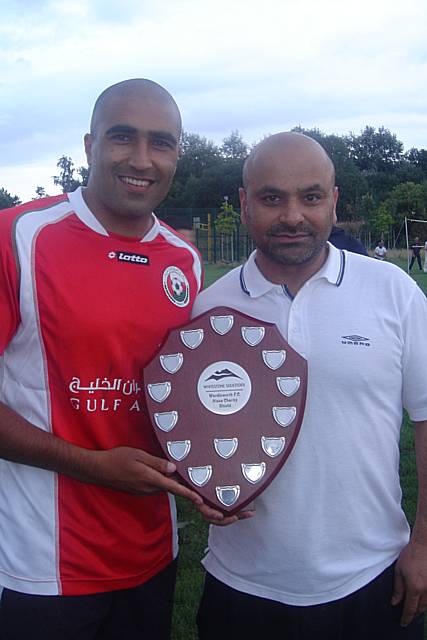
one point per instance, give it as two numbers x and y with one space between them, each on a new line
415 357
9 282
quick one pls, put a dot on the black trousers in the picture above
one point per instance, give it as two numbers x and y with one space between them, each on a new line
364 615
141 613
418 259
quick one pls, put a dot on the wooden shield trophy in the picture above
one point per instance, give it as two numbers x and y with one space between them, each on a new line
226 397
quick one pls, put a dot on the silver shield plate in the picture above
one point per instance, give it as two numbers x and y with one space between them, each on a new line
284 415
192 338
178 449
274 359
222 324
200 475
288 386
228 495
172 362
159 391
166 420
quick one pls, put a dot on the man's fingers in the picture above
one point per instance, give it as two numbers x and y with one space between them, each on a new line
409 610
398 588
172 486
155 475
159 464
422 605
218 518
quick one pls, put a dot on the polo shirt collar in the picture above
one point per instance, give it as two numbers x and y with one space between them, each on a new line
255 285
334 267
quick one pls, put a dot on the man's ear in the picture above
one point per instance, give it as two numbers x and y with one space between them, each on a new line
243 206
88 140
335 205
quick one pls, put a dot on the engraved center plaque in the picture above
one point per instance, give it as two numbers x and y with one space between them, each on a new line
226 397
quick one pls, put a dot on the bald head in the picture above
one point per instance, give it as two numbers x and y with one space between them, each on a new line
288 205
135 88
289 149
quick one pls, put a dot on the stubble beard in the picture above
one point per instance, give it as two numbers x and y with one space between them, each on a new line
289 256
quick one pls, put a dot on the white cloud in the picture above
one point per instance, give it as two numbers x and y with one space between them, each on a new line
256 66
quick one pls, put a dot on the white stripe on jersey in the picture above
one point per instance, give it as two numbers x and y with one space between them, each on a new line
177 241
25 389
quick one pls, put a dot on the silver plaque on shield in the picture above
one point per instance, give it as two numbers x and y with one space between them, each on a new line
284 415
166 420
222 324
178 449
159 391
225 447
200 475
172 362
274 359
253 335
192 338
288 386
273 446
228 495
253 472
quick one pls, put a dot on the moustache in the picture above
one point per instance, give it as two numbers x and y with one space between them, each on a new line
278 229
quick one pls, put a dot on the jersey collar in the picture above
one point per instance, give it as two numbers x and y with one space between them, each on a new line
86 216
255 285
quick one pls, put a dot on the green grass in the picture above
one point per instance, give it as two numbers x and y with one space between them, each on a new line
193 531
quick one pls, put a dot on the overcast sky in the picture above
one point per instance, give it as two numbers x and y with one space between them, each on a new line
257 66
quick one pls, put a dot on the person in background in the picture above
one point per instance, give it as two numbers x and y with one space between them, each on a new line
343 240
416 254
90 284
327 552
380 252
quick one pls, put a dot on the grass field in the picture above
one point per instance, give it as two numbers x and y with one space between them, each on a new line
193 531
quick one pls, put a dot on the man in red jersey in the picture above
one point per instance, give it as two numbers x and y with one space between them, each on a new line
90 284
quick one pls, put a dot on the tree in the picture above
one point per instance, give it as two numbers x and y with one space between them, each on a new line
7 200
418 157
234 147
40 193
84 175
197 154
352 184
66 179
408 200
373 150
381 220
226 223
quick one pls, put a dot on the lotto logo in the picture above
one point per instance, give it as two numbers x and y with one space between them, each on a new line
129 257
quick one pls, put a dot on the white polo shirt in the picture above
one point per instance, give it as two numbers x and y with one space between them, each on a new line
331 520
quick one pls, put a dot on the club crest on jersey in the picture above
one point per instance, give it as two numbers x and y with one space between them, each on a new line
176 286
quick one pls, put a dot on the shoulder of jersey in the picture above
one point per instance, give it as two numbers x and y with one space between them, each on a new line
35 205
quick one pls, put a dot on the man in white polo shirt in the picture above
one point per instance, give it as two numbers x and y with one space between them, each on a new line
327 552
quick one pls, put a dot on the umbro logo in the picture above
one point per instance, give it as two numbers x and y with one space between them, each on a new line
122 256
356 340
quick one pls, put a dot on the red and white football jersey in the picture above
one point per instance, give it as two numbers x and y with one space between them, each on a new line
82 312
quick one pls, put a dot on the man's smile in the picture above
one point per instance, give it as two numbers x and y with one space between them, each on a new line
136 182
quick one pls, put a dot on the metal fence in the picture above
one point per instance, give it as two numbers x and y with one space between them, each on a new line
199 226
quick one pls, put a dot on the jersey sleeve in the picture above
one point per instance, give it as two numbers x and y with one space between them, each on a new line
415 357
9 281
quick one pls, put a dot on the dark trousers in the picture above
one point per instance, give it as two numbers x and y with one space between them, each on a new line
418 259
141 613
364 615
